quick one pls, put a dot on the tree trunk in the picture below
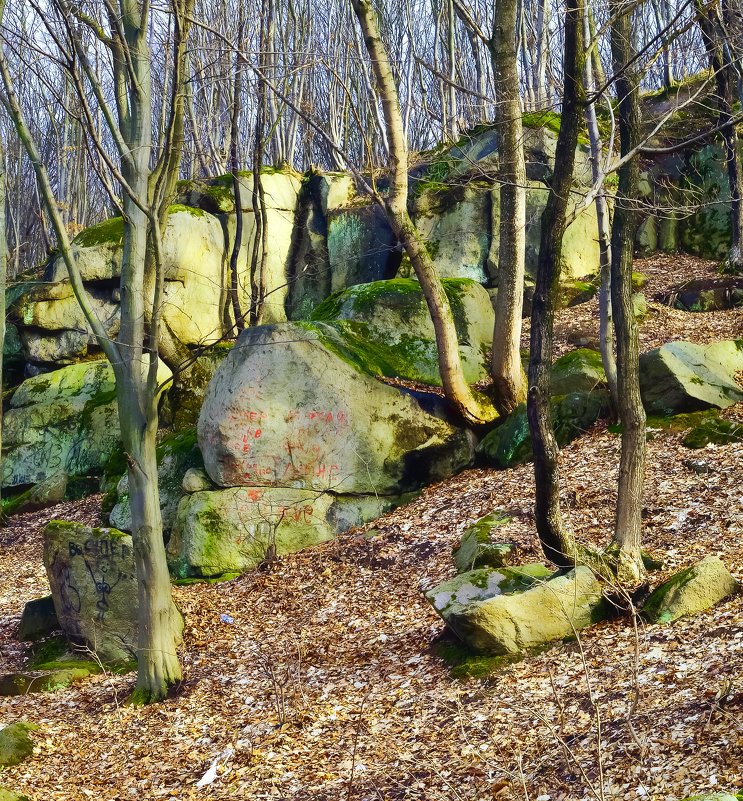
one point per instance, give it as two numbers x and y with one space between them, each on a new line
628 523
160 623
3 267
606 332
234 167
474 409
157 662
508 376
557 540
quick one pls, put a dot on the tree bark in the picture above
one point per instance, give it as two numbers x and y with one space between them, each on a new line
157 662
628 522
234 167
509 388
606 330
474 409
557 541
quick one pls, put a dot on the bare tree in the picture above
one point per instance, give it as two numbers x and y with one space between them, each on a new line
471 407
134 357
628 524
557 541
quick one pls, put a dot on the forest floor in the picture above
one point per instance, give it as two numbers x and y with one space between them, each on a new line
330 683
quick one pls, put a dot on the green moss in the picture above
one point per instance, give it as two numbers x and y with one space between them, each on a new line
180 207
551 120
181 443
639 281
186 582
109 232
714 430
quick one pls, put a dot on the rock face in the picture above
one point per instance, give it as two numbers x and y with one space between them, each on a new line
65 421
91 573
176 455
388 327
231 530
686 377
38 619
286 410
60 422
493 613
694 589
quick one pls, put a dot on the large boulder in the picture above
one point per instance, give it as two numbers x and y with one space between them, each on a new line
92 576
581 370
176 454
236 529
686 377
290 408
65 421
388 325
500 613
694 589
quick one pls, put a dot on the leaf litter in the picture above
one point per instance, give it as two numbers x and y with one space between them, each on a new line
327 682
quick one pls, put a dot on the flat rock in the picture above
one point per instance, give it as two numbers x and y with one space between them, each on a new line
39 618
232 530
499 623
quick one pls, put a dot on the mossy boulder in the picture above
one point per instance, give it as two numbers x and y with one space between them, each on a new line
714 797
572 415
525 611
686 377
291 406
92 576
176 454
16 744
231 530
476 547
692 590
458 593
715 430
65 421
50 681
581 370
387 323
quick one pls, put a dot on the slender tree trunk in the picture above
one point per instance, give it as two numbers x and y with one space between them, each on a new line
606 330
628 523
508 376
474 409
557 540
3 266
235 166
159 631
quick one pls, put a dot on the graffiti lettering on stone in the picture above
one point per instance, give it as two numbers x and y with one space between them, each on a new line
100 557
